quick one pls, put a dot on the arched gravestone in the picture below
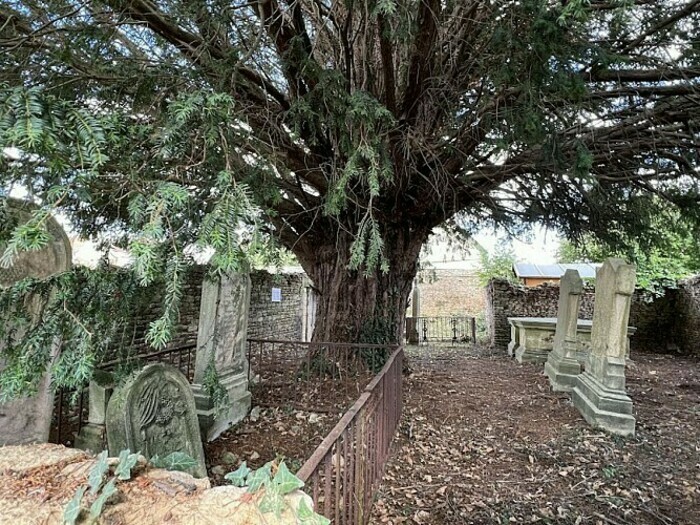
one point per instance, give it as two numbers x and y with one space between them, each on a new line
154 413
28 420
54 258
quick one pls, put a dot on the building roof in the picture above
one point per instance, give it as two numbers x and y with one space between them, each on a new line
553 271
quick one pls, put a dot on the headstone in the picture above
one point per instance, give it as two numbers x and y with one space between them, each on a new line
412 322
562 367
221 344
599 393
28 420
308 309
154 413
93 435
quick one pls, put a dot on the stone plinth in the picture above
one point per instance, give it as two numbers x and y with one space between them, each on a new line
154 413
600 393
532 338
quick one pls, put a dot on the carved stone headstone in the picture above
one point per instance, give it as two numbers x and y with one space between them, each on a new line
154 413
221 344
562 367
28 420
600 393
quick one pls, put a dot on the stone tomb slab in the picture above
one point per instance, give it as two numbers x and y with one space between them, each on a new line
154 413
532 338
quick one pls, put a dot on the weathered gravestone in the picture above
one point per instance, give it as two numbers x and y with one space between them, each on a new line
599 393
93 435
154 413
28 420
221 347
562 367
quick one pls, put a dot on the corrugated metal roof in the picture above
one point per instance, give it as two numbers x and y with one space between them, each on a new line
553 271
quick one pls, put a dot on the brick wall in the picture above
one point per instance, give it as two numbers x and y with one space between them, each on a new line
451 293
656 319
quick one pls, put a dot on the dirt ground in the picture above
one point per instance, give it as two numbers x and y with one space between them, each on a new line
290 421
484 441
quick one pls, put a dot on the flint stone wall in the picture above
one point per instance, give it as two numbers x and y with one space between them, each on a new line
656 320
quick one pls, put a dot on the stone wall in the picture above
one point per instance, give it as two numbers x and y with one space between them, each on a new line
451 293
688 316
133 335
276 320
268 320
655 318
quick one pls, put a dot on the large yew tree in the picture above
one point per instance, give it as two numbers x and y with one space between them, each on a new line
348 129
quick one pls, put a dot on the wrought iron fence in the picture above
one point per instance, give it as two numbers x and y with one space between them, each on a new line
322 377
71 409
455 330
345 471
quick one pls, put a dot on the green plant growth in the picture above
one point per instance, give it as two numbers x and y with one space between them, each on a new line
178 461
498 265
165 126
213 387
269 485
101 487
671 253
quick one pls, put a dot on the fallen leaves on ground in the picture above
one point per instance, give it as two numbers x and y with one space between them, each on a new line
483 440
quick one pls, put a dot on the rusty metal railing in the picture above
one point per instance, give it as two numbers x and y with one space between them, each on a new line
344 473
455 330
70 410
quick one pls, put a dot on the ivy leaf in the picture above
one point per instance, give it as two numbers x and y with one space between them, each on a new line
238 476
285 481
126 463
107 492
309 517
260 477
98 472
72 510
174 461
272 501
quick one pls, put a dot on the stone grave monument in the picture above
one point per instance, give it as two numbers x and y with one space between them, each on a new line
599 393
28 420
562 367
221 344
93 435
154 413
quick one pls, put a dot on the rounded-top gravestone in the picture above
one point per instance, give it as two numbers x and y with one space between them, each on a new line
28 420
154 413
52 259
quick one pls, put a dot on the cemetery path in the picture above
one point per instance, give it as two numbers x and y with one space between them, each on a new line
484 441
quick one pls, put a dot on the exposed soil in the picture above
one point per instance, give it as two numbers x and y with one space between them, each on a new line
484 440
291 421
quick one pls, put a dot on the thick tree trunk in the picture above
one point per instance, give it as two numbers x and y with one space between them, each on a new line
354 307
